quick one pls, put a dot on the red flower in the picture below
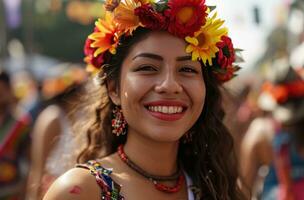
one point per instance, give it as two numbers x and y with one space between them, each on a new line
89 55
225 75
186 16
88 50
97 61
225 55
150 18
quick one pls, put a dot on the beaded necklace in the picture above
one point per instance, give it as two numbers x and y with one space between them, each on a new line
178 176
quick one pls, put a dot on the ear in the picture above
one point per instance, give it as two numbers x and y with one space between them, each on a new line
113 92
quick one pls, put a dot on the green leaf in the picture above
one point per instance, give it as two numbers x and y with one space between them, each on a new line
211 8
219 70
161 5
239 59
236 68
238 50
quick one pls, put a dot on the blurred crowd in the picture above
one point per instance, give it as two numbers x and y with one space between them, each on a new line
264 112
34 118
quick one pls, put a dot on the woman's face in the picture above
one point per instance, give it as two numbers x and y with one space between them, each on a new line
162 92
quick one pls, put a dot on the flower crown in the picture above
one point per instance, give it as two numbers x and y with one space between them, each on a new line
207 40
71 77
282 92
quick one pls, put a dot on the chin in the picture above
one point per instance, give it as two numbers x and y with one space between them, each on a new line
165 135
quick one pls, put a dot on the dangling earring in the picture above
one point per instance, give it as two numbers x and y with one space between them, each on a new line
119 124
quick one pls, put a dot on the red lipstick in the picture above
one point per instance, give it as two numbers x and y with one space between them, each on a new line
166 116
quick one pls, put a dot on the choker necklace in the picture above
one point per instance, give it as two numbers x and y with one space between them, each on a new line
177 176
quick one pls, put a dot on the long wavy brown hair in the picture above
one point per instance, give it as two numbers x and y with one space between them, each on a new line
208 158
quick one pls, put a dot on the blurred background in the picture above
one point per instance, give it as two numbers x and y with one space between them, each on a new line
41 50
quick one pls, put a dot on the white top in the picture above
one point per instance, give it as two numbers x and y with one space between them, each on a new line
189 184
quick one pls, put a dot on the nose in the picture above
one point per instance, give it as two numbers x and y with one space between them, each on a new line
169 84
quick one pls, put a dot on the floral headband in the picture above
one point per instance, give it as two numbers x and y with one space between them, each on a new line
207 40
282 92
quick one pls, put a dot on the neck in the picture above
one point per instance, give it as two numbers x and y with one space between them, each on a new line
157 158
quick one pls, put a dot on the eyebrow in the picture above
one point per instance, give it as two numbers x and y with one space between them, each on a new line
184 58
158 57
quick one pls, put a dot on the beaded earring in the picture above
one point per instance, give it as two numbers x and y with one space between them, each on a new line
119 124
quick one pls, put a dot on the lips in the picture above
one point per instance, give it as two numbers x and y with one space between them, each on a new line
166 110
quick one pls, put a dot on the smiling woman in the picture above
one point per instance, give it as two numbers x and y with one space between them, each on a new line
158 131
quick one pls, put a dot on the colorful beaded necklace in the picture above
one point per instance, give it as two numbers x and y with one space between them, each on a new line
178 176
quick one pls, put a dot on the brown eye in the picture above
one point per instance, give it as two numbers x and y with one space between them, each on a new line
146 68
188 70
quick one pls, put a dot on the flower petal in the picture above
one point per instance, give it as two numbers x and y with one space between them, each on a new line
192 40
195 55
189 49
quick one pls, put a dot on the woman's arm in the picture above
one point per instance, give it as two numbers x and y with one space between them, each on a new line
75 184
255 152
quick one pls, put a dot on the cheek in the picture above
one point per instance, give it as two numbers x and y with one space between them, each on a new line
197 93
197 90
132 90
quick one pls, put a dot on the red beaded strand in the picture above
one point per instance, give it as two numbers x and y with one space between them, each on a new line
168 189
159 186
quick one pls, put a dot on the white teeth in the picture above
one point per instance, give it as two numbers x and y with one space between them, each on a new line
179 109
153 109
166 109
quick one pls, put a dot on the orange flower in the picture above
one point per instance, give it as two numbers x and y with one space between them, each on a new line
282 92
106 36
278 92
186 16
124 16
142 2
110 5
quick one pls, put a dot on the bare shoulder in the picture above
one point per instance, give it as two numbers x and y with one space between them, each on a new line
51 112
49 118
76 184
47 127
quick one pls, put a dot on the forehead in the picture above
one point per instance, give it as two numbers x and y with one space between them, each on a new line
160 43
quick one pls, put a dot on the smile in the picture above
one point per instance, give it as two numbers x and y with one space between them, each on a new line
166 110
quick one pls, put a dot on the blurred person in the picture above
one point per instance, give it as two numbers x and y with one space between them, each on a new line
277 139
53 144
14 143
27 90
157 131
240 108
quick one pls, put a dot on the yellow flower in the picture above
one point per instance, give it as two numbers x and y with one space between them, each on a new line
105 37
124 16
145 1
203 44
91 69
